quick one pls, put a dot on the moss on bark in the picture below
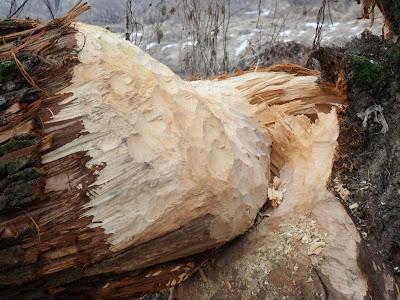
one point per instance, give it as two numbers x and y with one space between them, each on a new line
18 178
15 144
8 69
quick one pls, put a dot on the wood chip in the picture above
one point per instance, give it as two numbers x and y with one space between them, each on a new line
202 275
316 248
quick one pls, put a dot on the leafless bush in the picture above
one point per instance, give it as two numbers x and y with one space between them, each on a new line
53 6
200 28
15 9
138 14
205 29
321 21
133 26
205 22
277 26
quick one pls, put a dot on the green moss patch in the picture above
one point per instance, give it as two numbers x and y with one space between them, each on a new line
18 178
13 167
368 73
8 69
6 20
16 144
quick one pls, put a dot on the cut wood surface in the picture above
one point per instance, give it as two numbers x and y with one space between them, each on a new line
306 248
118 176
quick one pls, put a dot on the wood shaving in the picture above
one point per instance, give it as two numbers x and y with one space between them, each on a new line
316 248
275 193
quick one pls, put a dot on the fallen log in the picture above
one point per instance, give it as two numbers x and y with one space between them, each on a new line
118 178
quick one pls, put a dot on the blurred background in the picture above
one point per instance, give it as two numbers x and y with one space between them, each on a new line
213 36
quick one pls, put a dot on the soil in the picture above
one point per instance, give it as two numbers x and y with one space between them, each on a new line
368 162
280 52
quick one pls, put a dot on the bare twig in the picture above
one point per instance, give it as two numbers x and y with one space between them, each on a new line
25 73
206 23
274 37
258 24
48 5
34 222
14 11
225 60
320 23
133 25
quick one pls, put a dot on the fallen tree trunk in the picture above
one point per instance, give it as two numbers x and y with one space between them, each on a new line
118 177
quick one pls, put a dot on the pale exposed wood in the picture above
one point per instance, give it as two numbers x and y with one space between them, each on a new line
150 130
308 247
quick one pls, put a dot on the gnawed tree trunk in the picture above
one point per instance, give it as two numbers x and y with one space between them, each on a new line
118 177
306 248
